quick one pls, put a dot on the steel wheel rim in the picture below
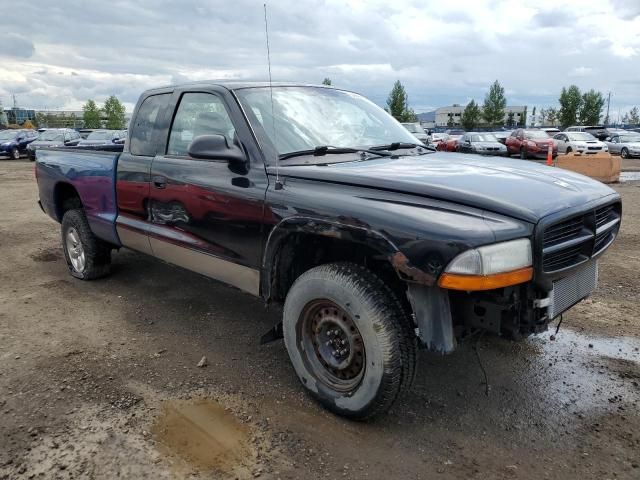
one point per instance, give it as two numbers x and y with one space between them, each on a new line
624 153
332 345
16 154
75 250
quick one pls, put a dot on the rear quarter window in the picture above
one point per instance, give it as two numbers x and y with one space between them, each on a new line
144 125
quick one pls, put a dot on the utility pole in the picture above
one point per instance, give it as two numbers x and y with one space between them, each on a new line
15 102
607 120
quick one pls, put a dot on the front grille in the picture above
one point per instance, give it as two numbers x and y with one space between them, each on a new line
594 148
563 231
575 240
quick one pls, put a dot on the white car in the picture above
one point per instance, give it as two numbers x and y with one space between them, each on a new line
581 142
417 131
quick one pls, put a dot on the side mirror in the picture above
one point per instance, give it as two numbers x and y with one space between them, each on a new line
608 139
215 147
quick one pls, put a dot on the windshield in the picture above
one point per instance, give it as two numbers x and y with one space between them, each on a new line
51 136
8 135
539 134
100 135
413 127
308 117
484 137
580 136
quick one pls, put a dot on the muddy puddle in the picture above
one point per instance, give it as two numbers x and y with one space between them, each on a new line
203 434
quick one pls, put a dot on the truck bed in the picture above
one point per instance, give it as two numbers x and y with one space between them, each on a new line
92 172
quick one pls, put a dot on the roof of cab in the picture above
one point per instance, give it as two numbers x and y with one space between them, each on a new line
237 85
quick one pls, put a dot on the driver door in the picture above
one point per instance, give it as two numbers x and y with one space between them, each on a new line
205 216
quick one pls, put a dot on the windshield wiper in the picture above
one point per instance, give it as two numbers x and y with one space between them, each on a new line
398 145
328 149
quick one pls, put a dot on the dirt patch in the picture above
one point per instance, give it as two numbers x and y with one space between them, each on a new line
49 255
204 434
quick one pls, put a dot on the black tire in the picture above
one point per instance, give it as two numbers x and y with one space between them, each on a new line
624 153
97 254
15 154
523 154
569 150
384 335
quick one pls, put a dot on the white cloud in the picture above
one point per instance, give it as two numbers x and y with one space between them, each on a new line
442 52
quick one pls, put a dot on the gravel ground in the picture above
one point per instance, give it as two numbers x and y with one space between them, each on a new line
100 379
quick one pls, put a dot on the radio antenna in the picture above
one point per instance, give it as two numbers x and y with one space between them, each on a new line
278 185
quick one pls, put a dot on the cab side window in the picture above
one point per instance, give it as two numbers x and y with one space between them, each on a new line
198 114
144 125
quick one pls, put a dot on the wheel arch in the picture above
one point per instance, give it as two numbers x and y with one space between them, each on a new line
65 197
299 243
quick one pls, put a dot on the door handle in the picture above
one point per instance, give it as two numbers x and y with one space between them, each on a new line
159 181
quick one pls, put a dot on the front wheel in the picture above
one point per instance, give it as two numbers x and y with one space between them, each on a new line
15 154
568 150
349 339
624 153
87 256
523 154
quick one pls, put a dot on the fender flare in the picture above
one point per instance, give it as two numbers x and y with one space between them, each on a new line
342 231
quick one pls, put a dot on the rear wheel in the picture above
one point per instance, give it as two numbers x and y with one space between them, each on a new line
87 256
349 340
624 153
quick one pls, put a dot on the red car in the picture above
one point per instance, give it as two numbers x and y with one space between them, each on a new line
530 143
449 145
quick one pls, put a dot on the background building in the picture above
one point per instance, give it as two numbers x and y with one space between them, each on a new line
18 116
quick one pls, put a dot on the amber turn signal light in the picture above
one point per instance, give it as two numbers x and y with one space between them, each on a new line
455 281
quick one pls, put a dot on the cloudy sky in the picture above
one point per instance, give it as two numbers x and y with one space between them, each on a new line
59 54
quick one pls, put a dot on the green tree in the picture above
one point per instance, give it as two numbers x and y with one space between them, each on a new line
91 115
326 81
634 116
510 121
552 116
591 108
543 116
570 103
533 115
114 111
494 105
451 122
523 118
398 104
471 116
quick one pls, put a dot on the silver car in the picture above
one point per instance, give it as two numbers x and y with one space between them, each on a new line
626 144
582 142
417 131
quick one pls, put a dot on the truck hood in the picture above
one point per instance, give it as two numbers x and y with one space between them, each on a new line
517 188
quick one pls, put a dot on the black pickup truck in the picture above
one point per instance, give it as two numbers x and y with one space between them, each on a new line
316 198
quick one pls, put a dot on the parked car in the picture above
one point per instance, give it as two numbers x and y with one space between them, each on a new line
581 142
455 132
13 143
435 138
416 130
448 145
372 242
530 143
598 131
104 137
626 145
481 143
501 135
54 137
551 131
